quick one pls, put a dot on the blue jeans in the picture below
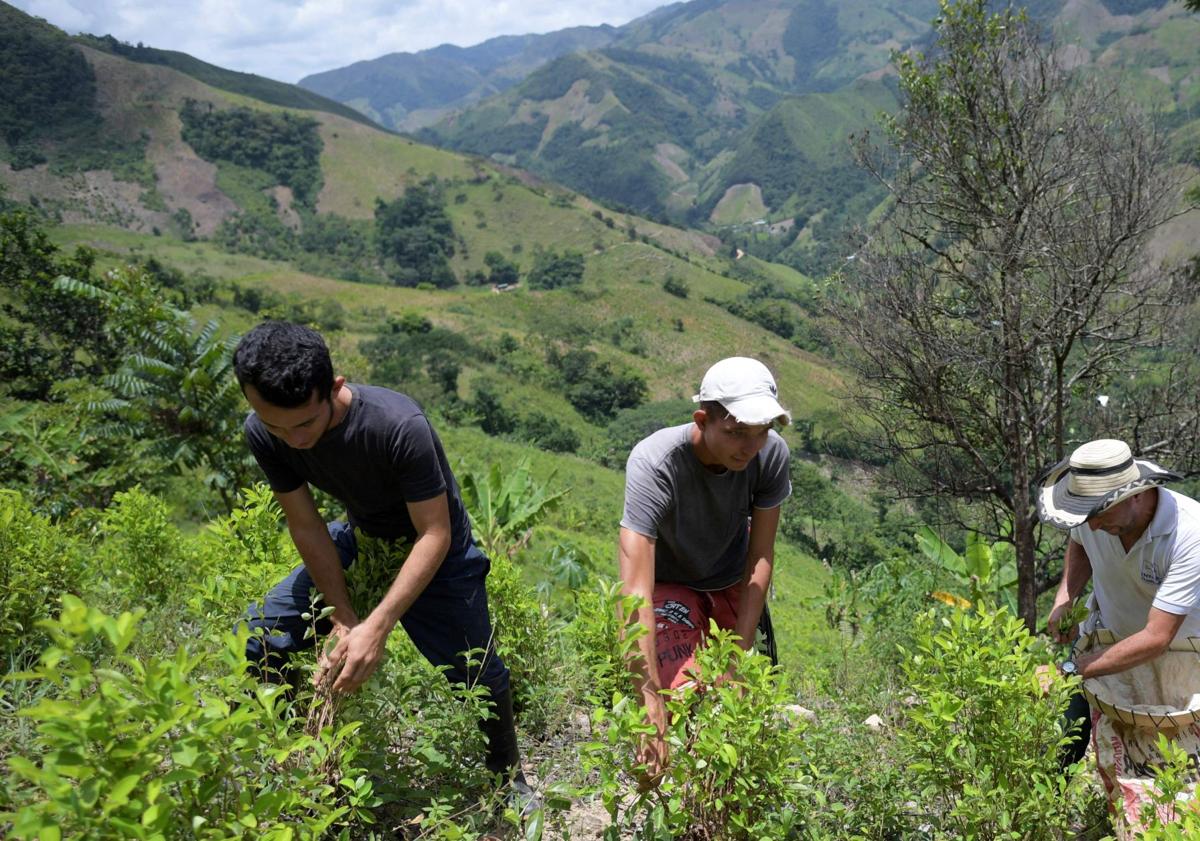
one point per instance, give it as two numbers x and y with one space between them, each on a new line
448 618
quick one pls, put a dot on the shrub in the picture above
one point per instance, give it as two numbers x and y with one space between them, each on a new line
238 555
142 553
38 563
595 637
735 769
552 270
527 644
982 741
676 286
154 748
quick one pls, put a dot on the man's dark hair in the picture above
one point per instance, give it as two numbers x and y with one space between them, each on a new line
715 411
285 363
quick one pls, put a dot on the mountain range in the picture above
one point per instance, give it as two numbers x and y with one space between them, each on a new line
726 113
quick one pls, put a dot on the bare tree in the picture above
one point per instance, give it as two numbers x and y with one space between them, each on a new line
1007 283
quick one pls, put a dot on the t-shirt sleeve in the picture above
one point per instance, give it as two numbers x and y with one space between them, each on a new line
1179 592
415 457
647 496
280 476
774 481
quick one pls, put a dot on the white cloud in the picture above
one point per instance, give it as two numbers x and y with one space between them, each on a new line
290 39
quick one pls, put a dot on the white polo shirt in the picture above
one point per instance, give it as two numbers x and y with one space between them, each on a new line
1162 570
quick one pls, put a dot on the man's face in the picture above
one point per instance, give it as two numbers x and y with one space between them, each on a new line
730 443
1123 519
300 427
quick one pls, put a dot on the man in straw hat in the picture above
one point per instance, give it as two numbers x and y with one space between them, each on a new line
1139 545
698 531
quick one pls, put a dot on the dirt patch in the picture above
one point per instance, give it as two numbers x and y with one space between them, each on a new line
1163 74
664 154
283 206
586 820
139 103
185 180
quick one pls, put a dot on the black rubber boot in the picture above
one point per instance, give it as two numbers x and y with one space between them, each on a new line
504 757
1078 715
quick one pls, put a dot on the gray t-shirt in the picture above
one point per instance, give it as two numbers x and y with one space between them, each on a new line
699 519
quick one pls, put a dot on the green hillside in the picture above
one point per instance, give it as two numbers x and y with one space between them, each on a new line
558 363
694 78
246 84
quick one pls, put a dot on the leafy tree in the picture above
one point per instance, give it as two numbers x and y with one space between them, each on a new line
286 146
552 270
548 433
416 236
597 389
502 270
174 390
46 334
494 419
1009 283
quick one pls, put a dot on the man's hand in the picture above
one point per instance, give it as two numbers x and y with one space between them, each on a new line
354 658
1060 625
654 753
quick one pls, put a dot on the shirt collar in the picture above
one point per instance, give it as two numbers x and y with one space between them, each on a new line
1166 515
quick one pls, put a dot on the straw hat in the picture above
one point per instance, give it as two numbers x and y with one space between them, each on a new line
1096 477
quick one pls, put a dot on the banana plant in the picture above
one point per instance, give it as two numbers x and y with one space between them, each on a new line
504 506
983 571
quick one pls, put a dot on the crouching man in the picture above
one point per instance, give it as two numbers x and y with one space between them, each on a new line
374 450
697 537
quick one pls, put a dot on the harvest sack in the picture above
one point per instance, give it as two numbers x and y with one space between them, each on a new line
1129 711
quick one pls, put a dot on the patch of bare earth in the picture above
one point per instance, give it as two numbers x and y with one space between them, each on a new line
138 103
664 154
186 180
283 206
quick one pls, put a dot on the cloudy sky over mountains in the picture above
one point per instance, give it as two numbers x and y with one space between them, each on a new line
289 39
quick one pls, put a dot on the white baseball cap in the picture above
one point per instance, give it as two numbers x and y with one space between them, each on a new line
746 389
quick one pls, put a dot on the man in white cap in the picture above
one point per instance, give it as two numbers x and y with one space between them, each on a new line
1139 545
698 530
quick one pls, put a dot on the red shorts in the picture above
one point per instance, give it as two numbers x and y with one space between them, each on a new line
681 617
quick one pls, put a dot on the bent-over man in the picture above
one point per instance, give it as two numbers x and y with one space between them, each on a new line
697 537
375 451
1139 545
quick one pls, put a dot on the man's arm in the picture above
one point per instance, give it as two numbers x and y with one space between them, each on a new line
760 561
311 536
1136 649
637 579
1077 571
358 653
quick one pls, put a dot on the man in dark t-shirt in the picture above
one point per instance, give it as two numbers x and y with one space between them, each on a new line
374 450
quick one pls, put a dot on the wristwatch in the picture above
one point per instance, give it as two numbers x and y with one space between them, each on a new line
1068 667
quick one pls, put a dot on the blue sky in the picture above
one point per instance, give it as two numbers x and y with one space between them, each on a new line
289 39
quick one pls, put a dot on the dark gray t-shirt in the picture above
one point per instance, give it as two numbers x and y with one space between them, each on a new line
699 519
382 455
